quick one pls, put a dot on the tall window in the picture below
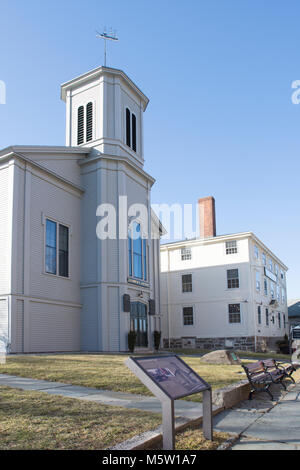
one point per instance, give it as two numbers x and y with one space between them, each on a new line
131 130
265 286
85 123
233 279
264 259
231 247
80 125
186 254
257 279
188 315
57 249
271 265
137 252
279 320
272 290
256 253
186 280
234 313
267 317
89 122
259 314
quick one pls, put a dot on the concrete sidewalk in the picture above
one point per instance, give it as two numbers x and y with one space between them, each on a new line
262 424
184 409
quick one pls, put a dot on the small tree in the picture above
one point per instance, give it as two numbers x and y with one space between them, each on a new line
156 337
131 340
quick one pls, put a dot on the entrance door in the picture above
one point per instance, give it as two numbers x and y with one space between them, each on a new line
138 320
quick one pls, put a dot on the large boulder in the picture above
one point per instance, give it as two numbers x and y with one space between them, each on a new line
221 356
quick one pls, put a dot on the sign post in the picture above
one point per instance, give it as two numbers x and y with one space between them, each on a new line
170 378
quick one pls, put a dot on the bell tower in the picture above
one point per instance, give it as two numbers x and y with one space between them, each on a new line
104 110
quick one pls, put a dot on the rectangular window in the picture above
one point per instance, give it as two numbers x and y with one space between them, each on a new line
133 133
257 279
63 251
283 295
186 283
51 235
265 286
259 314
279 320
267 317
231 247
272 290
271 265
278 293
284 322
186 254
57 254
256 252
281 274
234 313
276 269
233 279
264 259
128 128
188 316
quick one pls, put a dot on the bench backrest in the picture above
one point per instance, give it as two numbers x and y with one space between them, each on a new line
269 362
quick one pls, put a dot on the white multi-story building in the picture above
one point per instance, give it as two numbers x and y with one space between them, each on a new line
222 291
62 287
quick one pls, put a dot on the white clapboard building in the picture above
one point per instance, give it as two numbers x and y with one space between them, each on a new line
62 288
222 291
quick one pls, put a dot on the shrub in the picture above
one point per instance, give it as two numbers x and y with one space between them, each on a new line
131 340
157 337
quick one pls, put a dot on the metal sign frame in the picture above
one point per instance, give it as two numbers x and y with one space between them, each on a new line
167 402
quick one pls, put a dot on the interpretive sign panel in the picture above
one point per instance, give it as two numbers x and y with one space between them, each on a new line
169 378
172 375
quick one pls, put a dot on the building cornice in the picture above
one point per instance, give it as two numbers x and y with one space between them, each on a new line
97 73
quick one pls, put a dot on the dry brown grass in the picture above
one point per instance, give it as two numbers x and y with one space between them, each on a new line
35 420
107 372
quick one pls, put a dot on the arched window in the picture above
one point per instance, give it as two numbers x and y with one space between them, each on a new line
89 122
80 125
137 252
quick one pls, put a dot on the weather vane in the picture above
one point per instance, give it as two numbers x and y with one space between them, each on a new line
111 37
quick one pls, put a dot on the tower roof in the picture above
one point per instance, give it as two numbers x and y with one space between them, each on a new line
97 73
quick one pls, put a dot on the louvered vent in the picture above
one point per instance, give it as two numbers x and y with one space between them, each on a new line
80 125
89 122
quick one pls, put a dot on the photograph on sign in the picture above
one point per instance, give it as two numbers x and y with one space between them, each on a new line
172 375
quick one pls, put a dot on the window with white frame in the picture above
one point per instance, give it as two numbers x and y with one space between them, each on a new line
264 259
257 280
186 254
283 295
278 293
137 252
85 123
188 315
186 281
271 264
272 290
234 312
276 269
256 253
233 281
56 249
231 247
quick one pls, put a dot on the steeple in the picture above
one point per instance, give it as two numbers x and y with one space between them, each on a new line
104 110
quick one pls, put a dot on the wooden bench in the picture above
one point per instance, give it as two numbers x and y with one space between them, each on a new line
261 379
286 368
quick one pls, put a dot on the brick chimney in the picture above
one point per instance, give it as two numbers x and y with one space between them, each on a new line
207 217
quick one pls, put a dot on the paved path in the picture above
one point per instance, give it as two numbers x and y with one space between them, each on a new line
265 425
185 409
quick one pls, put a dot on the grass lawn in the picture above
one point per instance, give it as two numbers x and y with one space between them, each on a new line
107 372
246 354
35 420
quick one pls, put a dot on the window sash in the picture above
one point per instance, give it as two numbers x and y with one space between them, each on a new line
188 315
137 253
187 285
186 254
231 247
234 313
57 249
233 281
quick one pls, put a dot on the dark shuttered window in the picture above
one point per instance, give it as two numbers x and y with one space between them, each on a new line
128 129
133 133
80 125
89 122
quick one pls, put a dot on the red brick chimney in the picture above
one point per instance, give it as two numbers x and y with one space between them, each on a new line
207 217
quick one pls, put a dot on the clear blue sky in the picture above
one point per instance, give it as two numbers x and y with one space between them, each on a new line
218 74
